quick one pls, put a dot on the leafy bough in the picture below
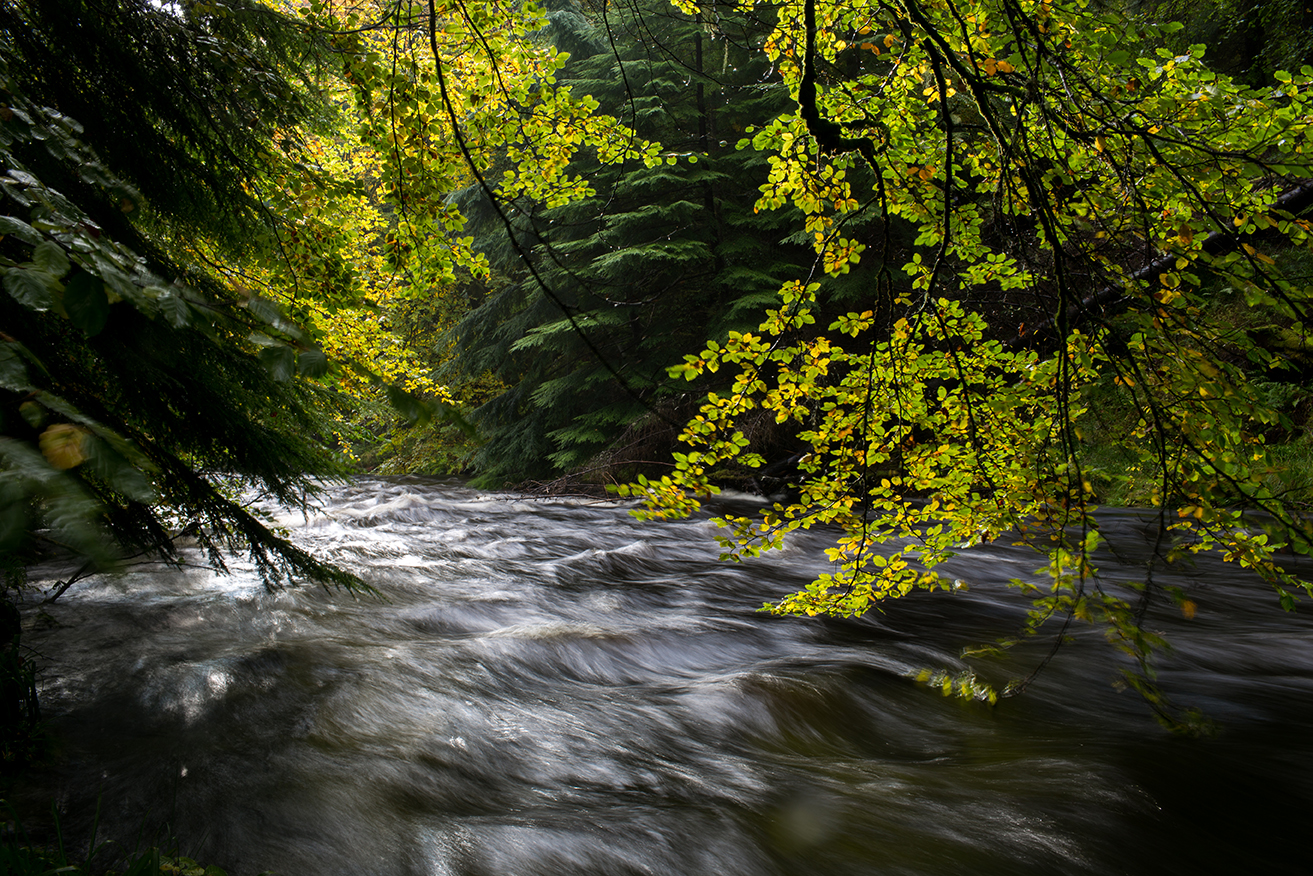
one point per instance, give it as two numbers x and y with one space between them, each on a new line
1056 166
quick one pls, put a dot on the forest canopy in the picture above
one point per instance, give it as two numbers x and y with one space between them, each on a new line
1075 225
933 272
1075 230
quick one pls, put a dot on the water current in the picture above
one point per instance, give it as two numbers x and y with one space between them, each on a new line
554 687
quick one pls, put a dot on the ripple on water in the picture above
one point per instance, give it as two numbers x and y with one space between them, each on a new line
558 688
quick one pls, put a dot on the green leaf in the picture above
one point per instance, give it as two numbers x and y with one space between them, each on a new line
31 287
33 413
19 229
119 286
413 409
13 373
175 309
86 302
313 363
280 360
51 258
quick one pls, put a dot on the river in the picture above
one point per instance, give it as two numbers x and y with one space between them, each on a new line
554 687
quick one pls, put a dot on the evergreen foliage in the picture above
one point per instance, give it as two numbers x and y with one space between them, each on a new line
139 393
647 268
189 104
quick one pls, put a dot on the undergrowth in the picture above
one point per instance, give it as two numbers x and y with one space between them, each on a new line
21 856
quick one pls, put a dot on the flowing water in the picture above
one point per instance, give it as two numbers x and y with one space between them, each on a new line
553 687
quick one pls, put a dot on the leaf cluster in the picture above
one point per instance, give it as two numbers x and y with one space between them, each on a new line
1078 189
138 393
659 257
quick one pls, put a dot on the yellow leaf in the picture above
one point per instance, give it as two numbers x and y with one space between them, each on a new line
65 446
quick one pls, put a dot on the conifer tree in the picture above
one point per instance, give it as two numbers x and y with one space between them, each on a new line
139 392
660 258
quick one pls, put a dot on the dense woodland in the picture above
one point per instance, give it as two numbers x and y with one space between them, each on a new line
927 272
